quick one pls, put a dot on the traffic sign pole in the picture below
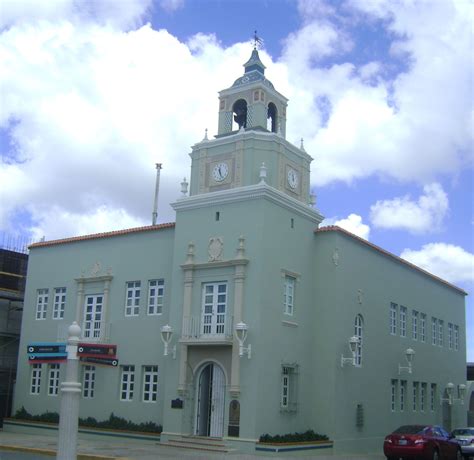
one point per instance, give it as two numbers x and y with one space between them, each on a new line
70 393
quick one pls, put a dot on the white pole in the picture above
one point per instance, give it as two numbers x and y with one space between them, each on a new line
70 393
157 187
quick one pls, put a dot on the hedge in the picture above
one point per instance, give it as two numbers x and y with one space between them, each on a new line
307 436
114 422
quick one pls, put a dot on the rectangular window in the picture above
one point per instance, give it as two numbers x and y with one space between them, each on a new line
393 318
434 331
88 382
423 397
41 303
150 383
414 325
35 379
288 401
422 327
127 383
441 333
415 396
456 337
53 380
59 303
156 292
403 321
289 295
214 306
93 312
393 398
403 393
450 336
132 304
433 397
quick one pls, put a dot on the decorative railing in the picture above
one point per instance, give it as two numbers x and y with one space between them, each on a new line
194 329
98 334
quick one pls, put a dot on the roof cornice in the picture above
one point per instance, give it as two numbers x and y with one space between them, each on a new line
335 228
250 192
127 231
247 134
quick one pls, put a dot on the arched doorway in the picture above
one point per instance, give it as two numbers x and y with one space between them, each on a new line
210 401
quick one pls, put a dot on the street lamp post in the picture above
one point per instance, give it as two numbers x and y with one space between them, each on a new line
70 392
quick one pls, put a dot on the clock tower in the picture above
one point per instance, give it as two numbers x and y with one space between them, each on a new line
251 136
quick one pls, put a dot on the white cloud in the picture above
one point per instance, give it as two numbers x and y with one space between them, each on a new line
171 5
352 223
111 12
422 216
380 122
90 108
447 261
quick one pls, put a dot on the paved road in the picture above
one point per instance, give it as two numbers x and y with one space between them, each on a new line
136 450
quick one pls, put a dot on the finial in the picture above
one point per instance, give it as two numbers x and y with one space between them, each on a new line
302 145
312 200
257 41
263 173
205 136
184 187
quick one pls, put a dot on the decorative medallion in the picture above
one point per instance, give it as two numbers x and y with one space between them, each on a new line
215 248
335 257
360 294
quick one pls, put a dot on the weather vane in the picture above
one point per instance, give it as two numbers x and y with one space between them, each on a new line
257 41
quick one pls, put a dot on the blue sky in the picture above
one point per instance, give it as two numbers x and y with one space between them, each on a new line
93 93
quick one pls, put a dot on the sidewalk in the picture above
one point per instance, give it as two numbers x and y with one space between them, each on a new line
135 450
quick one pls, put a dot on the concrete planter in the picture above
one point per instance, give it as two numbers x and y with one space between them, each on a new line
32 427
293 446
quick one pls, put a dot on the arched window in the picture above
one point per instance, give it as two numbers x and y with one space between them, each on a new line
240 113
272 118
359 333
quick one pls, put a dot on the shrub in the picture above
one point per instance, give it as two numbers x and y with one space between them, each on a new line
114 422
307 436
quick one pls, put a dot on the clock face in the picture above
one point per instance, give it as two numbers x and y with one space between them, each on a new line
220 172
292 178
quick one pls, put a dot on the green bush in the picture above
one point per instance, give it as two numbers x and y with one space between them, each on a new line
307 436
114 422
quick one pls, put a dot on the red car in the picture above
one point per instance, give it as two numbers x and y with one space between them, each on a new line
421 442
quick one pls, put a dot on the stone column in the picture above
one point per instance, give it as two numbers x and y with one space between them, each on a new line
80 300
239 278
70 393
188 324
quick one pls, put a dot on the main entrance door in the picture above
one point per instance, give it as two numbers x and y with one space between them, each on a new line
210 401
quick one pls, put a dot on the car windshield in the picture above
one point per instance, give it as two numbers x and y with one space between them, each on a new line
464 432
410 429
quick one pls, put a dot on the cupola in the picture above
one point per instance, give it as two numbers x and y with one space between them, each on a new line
252 103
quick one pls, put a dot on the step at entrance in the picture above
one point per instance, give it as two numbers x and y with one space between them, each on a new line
198 443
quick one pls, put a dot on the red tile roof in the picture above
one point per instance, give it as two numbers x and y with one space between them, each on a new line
335 228
127 231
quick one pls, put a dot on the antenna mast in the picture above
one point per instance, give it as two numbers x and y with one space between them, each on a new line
157 188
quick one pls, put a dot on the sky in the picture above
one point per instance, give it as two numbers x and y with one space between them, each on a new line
94 92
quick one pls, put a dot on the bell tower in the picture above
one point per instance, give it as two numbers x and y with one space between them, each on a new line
252 102
250 142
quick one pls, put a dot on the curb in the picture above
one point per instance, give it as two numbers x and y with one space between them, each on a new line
52 453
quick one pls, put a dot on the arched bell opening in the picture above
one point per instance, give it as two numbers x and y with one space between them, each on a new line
240 114
272 113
